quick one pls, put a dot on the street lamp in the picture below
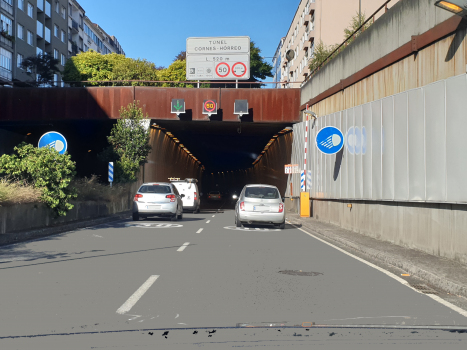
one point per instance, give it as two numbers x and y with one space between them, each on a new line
459 7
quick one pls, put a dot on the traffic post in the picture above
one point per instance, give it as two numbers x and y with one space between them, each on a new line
111 173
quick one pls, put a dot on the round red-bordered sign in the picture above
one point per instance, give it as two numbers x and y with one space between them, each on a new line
222 75
207 103
233 69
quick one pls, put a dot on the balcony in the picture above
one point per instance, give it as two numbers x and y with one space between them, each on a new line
74 26
311 8
307 20
47 35
74 49
40 6
7 7
48 9
40 30
306 46
5 74
7 42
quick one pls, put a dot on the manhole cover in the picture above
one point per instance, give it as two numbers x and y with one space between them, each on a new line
424 289
300 273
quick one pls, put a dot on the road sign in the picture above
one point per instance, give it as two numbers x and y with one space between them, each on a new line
241 107
111 172
355 140
329 140
54 140
220 58
210 107
302 181
291 169
178 106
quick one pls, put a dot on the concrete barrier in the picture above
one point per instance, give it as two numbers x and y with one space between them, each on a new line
437 229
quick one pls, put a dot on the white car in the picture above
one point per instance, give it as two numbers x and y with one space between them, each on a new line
189 188
158 199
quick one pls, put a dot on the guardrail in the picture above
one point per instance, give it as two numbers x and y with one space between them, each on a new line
7 7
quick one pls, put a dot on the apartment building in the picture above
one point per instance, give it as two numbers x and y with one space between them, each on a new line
276 64
31 27
85 35
317 21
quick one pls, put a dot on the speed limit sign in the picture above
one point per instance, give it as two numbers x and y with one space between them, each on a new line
210 107
222 69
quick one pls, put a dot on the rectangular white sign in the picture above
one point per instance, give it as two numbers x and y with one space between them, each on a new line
218 67
218 45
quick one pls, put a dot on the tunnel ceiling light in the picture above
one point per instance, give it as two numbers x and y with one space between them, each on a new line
275 136
459 7
89 151
29 133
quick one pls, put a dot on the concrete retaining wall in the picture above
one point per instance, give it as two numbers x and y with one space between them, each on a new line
438 229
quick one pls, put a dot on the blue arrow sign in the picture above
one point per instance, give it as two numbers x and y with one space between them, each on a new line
329 140
111 172
54 140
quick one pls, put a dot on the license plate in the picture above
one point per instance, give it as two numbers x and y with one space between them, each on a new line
152 207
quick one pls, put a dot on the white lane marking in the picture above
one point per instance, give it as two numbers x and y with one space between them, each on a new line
177 316
199 231
182 248
97 236
127 305
390 274
213 216
207 222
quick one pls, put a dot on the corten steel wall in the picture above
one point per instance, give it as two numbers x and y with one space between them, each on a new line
28 104
167 160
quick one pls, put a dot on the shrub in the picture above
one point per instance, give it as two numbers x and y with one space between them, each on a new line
89 189
45 169
17 193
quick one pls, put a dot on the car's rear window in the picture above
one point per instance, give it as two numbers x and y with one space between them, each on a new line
262 192
215 192
154 189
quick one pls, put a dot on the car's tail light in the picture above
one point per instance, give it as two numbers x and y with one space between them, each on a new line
171 196
281 207
242 206
196 196
209 197
138 196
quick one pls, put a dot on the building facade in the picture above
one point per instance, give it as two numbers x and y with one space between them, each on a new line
276 64
57 27
317 21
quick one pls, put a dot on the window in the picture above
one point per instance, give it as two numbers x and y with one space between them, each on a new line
30 38
5 59
19 60
70 10
57 7
63 36
86 47
63 13
262 192
55 79
155 189
30 10
20 32
63 59
56 54
56 30
21 5
7 24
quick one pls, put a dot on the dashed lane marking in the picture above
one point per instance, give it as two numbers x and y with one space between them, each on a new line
248 229
199 231
182 248
207 222
154 225
127 305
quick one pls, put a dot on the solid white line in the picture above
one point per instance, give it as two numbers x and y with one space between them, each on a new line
127 305
199 231
182 248
207 222
390 274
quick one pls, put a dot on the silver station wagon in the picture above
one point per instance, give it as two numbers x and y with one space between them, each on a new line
260 204
158 199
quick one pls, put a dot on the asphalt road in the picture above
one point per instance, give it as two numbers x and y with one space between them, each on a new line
111 285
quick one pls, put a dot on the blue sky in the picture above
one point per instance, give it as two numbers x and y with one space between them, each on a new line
157 29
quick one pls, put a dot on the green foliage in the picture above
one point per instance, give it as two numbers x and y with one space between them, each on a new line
45 169
181 56
175 72
44 65
129 139
259 69
93 66
320 53
355 23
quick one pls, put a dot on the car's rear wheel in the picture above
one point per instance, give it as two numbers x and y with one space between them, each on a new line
135 217
238 223
282 226
180 217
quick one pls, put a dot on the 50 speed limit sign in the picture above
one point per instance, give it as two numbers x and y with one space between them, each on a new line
222 69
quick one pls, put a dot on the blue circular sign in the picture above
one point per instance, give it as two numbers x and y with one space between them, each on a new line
54 140
330 140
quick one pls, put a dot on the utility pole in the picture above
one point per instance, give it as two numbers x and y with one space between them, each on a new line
359 11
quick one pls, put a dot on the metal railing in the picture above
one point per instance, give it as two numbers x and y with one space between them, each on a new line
5 73
74 25
7 7
349 38
6 41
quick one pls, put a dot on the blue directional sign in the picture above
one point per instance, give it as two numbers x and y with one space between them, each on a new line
111 172
54 140
330 140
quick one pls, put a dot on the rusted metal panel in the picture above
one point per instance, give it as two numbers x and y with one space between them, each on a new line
100 103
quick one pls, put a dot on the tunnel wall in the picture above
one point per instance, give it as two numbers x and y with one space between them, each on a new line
167 159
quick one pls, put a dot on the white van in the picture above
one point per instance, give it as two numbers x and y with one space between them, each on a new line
189 188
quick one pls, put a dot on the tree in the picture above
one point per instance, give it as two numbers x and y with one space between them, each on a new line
181 56
45 169
129 139
175 72
93 66
44 66
259 69
354 24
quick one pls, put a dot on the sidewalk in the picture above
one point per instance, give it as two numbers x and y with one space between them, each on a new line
449 275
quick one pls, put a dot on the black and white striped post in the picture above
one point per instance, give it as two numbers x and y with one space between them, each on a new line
111 173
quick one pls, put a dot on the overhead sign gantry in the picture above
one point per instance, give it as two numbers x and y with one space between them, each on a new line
218 58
